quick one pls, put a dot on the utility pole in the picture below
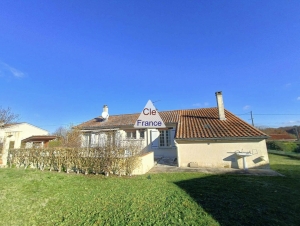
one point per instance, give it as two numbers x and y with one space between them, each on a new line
252 118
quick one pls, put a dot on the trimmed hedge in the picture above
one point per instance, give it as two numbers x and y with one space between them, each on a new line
79 160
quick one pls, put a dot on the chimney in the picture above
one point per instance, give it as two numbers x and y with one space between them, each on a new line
105 108
220 103
105 114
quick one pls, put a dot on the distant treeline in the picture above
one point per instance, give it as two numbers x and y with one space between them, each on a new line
290 131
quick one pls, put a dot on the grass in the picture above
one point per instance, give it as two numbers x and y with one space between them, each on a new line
295 155
30 197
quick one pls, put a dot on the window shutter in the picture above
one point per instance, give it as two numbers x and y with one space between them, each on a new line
96 140
118 137
93 141
102 139
173 137
154 138
85 140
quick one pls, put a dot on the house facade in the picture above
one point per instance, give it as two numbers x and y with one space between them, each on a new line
14 135
204 137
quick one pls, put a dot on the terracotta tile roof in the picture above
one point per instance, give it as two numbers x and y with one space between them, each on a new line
170 116
111 122
204 123
201 123
281 137
126 120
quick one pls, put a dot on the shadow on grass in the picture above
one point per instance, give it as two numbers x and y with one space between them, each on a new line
248 200
291 156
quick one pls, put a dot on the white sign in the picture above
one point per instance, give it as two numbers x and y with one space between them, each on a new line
149 118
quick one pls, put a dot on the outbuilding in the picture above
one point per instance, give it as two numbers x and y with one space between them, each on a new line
13 135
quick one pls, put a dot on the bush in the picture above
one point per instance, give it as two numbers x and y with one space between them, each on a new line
114 155
287 146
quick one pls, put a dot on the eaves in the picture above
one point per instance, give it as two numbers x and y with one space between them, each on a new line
223 139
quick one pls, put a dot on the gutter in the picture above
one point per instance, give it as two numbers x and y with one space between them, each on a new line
221 138
98 130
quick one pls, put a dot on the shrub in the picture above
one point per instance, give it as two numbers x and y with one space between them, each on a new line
112 156
287 146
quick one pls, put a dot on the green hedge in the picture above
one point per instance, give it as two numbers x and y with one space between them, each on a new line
287 146
80 160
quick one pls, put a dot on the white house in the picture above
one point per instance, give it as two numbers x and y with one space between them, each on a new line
205 137
13 135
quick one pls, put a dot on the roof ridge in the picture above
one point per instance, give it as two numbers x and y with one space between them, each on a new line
180 110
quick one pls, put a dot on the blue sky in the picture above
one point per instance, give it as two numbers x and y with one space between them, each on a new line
61 61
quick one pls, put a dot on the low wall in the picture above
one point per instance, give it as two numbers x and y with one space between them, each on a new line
222 154
165 152
146 163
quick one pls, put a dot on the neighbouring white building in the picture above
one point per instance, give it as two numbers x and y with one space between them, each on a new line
16 135
204 137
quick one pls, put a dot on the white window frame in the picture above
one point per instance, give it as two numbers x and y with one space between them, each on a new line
165 138
131 134
168 138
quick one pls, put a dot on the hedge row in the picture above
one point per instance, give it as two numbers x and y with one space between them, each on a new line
79 160
287 146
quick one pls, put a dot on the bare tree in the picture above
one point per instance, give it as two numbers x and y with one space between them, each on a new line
69 136
7 116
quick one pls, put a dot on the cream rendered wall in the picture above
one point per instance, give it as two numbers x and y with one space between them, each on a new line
17 133
222 153
146 163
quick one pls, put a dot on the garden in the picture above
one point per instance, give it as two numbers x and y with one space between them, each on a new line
34 197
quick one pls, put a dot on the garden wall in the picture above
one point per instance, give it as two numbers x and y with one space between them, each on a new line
146 163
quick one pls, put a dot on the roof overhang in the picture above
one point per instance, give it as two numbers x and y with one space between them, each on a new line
219 139
38 139
118 127
98 129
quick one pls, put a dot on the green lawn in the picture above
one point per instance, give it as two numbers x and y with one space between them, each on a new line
30 197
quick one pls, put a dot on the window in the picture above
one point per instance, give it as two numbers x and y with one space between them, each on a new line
142 134
164 138
99 139
131 135
37 144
